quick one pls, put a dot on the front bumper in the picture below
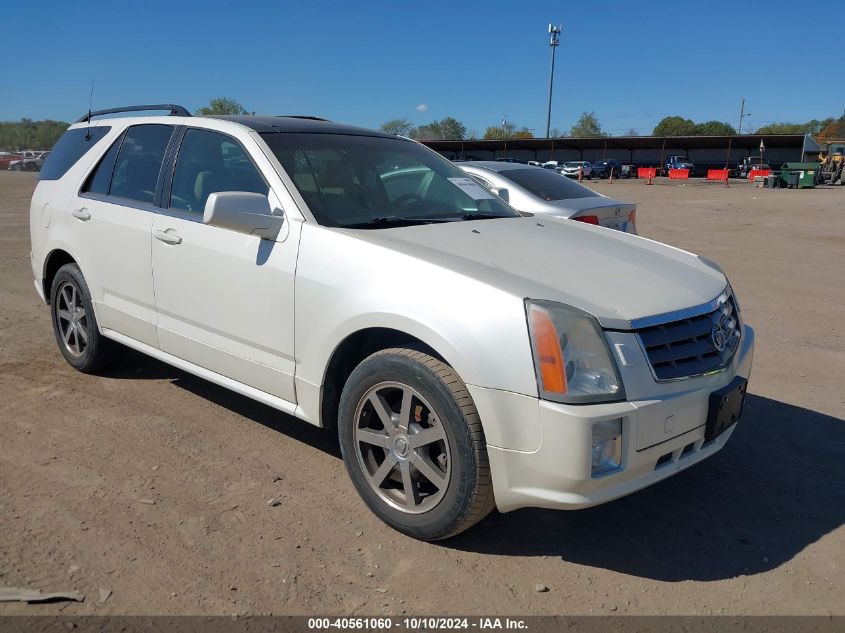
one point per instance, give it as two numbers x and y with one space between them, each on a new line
558 473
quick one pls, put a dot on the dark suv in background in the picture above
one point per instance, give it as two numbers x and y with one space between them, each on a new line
601 168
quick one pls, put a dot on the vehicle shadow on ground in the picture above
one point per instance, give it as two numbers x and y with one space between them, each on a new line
776 488
136 366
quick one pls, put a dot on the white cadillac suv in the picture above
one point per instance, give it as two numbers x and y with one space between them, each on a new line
468 356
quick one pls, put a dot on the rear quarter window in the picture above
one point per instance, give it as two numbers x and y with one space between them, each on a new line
72 146
547 184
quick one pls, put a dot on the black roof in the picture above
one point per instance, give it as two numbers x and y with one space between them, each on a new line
745 141
309 124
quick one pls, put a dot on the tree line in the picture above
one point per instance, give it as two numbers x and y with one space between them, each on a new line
589 126
29 134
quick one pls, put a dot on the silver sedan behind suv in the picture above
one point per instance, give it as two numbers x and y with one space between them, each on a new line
543 191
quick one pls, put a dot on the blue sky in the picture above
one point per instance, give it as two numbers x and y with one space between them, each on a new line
366 62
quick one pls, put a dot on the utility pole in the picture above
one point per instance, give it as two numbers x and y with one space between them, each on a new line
742 115
554 34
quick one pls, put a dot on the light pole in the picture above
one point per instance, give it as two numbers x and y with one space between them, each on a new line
742 115
554 34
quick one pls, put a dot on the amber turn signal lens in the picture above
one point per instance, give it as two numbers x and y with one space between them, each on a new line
548 351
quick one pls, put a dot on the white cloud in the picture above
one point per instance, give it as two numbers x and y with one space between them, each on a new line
422 107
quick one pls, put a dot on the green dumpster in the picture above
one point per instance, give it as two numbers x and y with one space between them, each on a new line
798 175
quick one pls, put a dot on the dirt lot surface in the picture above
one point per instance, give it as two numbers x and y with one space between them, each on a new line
154 484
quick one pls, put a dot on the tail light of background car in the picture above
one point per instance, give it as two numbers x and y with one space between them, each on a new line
587 219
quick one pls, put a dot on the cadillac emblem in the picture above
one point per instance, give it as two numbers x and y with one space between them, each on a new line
718 337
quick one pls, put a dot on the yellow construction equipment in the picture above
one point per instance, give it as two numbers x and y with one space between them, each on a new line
832 162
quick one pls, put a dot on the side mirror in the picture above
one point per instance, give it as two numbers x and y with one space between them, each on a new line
243 212
502 193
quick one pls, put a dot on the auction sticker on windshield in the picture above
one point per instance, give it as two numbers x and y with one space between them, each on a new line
472 188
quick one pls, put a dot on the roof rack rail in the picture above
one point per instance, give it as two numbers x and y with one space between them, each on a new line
175 110
303 116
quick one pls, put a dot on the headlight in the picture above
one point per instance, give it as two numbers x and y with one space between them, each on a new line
571 355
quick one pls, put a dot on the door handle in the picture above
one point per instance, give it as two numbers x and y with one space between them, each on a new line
81 214
168 238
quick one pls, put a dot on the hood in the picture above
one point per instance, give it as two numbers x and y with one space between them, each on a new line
613 275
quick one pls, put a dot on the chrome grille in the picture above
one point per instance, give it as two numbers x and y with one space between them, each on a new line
691 346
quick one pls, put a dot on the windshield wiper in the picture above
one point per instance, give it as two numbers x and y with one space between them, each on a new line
394 220
480 215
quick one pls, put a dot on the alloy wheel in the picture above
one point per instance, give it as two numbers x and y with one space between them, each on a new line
72 319
402 447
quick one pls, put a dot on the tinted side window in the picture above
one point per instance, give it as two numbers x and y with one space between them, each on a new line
100 178
139 161
209 162
68 149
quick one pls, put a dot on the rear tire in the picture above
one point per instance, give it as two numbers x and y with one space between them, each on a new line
413 445
75 325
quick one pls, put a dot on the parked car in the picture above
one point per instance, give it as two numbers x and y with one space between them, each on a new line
747 164
540 191
32 163
601 168
573 167
6 158
468 356
678 162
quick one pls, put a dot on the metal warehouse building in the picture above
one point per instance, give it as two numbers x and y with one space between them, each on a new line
707 152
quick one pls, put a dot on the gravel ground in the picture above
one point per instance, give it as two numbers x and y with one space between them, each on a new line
154 484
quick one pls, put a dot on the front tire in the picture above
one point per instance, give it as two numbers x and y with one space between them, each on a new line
75 325
413 445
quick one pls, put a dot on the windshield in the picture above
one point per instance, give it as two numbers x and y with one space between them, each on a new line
548 185
350 180
681 159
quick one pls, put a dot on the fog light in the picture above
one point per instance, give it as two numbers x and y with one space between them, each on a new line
607 446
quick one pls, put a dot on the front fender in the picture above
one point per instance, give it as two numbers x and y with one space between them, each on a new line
344 285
